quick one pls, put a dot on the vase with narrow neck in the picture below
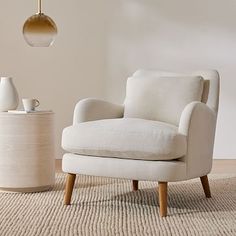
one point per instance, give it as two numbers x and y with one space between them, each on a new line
8 95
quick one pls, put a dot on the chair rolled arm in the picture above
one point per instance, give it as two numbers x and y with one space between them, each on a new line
198 123
90 109
195 111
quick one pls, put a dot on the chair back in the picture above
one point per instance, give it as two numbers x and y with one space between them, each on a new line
162 96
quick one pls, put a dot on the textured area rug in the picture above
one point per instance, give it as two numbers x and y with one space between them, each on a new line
103 206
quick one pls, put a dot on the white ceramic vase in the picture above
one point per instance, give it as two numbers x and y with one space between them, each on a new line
8 95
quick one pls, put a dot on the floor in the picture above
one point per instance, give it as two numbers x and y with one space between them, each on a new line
219 166
105 207
224 167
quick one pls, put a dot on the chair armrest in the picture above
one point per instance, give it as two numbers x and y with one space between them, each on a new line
93 109
198 123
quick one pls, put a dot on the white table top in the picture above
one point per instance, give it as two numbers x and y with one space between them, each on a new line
26 113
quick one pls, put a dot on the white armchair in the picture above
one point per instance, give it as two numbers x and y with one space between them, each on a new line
164 132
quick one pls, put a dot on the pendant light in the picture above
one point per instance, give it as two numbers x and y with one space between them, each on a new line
39 30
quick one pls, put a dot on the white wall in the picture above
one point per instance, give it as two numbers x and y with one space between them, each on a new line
176 35
61 75
100 43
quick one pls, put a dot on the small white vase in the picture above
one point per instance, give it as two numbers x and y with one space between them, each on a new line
8 95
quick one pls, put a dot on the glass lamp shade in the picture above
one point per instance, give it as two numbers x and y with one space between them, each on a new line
39 30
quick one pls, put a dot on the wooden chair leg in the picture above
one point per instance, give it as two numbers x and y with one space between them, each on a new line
135 185
163 198
70 180
206 186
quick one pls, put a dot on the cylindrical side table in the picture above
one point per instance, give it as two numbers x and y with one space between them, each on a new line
26 151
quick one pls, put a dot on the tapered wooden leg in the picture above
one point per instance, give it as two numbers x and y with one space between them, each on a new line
163 198
206 186
70 180
135 185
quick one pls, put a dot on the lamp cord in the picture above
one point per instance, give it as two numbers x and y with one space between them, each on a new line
39 6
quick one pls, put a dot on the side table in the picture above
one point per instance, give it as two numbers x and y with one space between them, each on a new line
27 161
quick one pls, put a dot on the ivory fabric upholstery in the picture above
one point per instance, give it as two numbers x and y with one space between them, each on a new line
211 88
161 98
171 171
90 109
197 123
128 138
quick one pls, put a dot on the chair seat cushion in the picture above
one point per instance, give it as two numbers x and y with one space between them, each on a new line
128 138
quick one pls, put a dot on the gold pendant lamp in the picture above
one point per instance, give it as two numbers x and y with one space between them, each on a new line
39 30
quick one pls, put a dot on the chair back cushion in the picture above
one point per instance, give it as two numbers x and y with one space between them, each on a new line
211 88
161 98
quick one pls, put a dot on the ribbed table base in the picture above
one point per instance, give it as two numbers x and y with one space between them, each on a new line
26 190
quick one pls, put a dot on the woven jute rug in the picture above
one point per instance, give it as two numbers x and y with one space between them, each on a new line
104 206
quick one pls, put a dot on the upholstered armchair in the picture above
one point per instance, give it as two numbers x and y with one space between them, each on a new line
164 132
